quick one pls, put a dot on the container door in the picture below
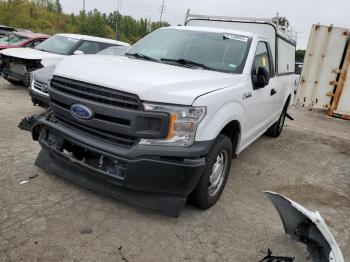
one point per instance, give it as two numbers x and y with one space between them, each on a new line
344 102
321 66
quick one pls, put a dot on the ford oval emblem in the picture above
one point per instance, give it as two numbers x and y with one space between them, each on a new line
81 112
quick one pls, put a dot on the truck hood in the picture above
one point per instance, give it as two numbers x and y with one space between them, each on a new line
151 81
29 53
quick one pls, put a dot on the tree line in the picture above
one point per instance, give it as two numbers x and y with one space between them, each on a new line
46 16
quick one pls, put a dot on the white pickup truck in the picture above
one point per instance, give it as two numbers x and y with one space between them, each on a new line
162 124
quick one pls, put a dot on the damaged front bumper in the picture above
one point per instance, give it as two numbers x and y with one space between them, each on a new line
143 176
18 69
307 227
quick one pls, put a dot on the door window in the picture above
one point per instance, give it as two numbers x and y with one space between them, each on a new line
89 47
262 58
33 44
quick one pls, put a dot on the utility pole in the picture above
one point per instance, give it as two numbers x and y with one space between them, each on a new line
162 8
8 12
149 23
187 15
84 6
117 35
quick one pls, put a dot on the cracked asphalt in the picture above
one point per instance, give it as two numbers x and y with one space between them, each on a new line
50 219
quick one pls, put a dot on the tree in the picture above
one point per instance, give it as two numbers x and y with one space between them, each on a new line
46 16
58 7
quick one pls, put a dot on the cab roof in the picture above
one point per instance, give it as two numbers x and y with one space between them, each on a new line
214 30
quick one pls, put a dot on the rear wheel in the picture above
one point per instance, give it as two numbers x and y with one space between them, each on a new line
214 177
14 82
276 129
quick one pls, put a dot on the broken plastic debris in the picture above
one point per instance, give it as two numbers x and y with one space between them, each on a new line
33 176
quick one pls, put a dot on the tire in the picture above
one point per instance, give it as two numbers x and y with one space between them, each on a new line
276 129
212 181
14 82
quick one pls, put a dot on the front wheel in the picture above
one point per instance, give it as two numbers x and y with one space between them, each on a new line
276 129
214 177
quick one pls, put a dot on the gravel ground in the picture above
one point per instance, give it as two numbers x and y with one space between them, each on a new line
50 219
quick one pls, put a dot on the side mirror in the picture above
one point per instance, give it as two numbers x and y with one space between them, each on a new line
78 52
262 78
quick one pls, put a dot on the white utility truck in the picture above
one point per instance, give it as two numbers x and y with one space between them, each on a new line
162 124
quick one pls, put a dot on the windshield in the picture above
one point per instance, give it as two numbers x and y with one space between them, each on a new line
214 51
58 45
12 39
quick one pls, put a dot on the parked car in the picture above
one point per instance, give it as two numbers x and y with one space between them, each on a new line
161 124
18 63
22 39
41 78
39 85
4 30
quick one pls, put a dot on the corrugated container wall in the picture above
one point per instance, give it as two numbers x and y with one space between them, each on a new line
325 82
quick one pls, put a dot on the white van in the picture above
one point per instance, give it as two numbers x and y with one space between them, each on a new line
162 124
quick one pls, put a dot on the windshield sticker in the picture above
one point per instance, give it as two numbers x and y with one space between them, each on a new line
73 40
236 37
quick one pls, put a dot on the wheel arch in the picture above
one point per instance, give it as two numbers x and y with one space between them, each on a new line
233 131
288 100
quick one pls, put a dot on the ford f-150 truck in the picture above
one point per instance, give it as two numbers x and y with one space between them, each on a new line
161 125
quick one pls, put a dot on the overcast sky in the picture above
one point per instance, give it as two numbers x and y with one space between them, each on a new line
301 13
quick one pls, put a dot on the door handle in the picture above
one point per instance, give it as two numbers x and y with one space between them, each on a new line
273 92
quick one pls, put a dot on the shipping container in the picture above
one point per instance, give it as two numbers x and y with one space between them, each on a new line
325 82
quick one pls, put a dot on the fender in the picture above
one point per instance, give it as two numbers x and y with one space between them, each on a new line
217 119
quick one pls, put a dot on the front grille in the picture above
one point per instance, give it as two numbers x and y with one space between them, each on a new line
115 120
106 136
40 86
108 125
96 93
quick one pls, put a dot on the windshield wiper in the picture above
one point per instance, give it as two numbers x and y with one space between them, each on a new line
183 61
142 56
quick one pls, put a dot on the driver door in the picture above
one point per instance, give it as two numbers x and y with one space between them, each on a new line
259 101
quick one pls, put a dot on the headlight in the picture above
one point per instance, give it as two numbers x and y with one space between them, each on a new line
182 127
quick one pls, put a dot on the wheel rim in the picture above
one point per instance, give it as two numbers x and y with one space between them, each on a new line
217 176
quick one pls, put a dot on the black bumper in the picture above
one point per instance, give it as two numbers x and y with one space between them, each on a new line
39 99
155 181
8 74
